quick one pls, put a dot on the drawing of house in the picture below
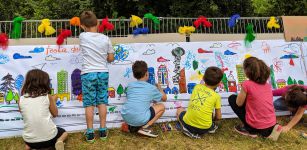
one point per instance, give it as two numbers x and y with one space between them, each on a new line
151 78
63 96
281 83
162 75
232 85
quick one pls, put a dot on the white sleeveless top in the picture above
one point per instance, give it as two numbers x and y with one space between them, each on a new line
38 125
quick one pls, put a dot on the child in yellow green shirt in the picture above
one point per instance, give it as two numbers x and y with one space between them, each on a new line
197 119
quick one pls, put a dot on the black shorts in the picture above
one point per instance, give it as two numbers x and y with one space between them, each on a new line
133 129
47 144
192 129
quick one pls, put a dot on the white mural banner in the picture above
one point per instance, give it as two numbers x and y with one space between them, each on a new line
177 66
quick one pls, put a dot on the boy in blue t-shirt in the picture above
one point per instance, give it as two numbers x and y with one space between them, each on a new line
137 111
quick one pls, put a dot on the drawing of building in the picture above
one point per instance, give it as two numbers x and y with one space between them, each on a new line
241 75
281 83
151 78
163 76
182 81
76 84
62 80
232 85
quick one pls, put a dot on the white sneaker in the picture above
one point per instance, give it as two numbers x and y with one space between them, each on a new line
213 129
147 132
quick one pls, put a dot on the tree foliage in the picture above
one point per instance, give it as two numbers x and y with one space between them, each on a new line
66 9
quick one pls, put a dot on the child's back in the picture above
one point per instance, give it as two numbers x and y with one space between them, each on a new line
259 107
202 103
95 48
139 97
38 125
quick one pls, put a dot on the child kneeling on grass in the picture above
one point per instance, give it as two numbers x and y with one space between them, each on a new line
137 111
294 99
197 120
37 108
254 104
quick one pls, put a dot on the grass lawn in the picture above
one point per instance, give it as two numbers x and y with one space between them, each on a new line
224 138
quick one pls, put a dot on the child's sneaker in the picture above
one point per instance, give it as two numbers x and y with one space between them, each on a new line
59 145
275 132
240 129
212 130
89 137
147 132
189 134
103 133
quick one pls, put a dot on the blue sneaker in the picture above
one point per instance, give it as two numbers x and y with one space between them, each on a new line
103 133
89 137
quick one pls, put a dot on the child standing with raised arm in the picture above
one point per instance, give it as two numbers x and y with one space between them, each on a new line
96 51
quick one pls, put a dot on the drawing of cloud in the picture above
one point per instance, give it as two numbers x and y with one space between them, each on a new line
4 59
288 56
37 50
51 58
149 52
228 52
124 62
216 45
18 56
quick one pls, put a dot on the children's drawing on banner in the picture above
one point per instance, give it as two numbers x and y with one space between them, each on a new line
51 58
19 56
216 45
190 56
18 83
39 66
75 59
121 55
234 45
178 52
149 52
128 72
277 65
265 47
4 59
37 50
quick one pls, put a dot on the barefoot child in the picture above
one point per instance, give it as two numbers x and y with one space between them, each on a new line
37 108
137 111
197 120
97 51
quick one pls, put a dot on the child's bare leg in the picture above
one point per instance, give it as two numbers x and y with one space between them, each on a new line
89 114
27 147
159 110
63 137
102 108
